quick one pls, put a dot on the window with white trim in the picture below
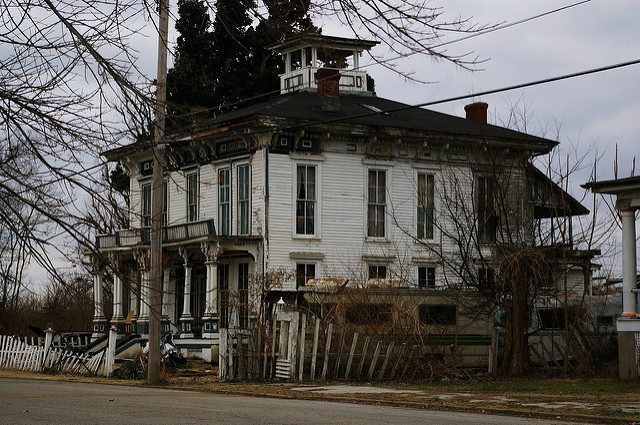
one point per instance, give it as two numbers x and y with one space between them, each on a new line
193 196
425 206
145 203
304 272
377 203
224 201
426 277
377 271
244 210
165 203
305 199
486 209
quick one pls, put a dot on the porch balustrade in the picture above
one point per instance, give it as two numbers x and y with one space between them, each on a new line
173 233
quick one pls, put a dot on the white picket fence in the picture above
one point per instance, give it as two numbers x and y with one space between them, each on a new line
17 354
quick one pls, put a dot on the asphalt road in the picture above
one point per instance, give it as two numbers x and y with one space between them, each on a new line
32 401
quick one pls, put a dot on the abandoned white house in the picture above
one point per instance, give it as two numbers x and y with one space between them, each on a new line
326 180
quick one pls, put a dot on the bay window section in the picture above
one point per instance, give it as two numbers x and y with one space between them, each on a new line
305 199
377 202
244 211
224 200
193 196
425 206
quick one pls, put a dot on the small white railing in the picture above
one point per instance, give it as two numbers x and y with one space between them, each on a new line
350 80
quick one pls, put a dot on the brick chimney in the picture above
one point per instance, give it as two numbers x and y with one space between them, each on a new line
328 81
477 111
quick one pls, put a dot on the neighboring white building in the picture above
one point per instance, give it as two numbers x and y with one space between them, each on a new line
326 180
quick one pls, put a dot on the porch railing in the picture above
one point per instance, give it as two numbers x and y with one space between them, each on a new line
173 233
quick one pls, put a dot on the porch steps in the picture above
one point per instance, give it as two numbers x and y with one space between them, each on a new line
283 368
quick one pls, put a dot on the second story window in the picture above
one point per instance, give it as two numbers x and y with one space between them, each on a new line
165 203
377 201
244 211
224 200
146 204
425 206
193 196
486 210
305 199
145 212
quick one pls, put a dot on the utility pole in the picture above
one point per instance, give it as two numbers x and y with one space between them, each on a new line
155 297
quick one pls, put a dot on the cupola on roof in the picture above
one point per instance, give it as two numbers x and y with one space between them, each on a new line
304 55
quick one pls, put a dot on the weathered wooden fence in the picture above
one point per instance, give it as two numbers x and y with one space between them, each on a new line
25 353
300 349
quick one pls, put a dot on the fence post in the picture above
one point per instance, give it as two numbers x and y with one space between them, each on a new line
327 346
365 347
315 349
222 354
111 352
303 331
386 360
376 353
353 349
48 340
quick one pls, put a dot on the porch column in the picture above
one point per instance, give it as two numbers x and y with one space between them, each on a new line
166 299
186 319
210 317
99 321
117 319
629 264
133 299
143 318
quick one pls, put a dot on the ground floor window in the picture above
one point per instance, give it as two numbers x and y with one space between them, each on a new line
304 272
377 271
243 294
437 314
223 285
426 277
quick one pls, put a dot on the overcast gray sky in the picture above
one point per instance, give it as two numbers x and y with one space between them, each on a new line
601 110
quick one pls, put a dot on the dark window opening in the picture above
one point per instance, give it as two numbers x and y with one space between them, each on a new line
486 278
369 314
243 294
437 314
305 199
223 285
426 277
486 205
551 318
304 272
377 271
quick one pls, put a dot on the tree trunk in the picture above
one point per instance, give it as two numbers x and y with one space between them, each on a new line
516 351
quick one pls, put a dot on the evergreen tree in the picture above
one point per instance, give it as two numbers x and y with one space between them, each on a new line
225 61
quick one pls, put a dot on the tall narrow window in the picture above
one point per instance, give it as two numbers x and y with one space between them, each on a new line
193 196
305 199
223 285
243 294
377 200
224 200
244 211
145 212
486 205
165 203
304 272
425 206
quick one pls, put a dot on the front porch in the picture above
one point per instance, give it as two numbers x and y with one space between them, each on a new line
206 283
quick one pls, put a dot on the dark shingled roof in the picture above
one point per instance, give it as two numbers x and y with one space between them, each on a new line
303 105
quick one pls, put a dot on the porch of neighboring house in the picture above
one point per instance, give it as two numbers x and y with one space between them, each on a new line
205 283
